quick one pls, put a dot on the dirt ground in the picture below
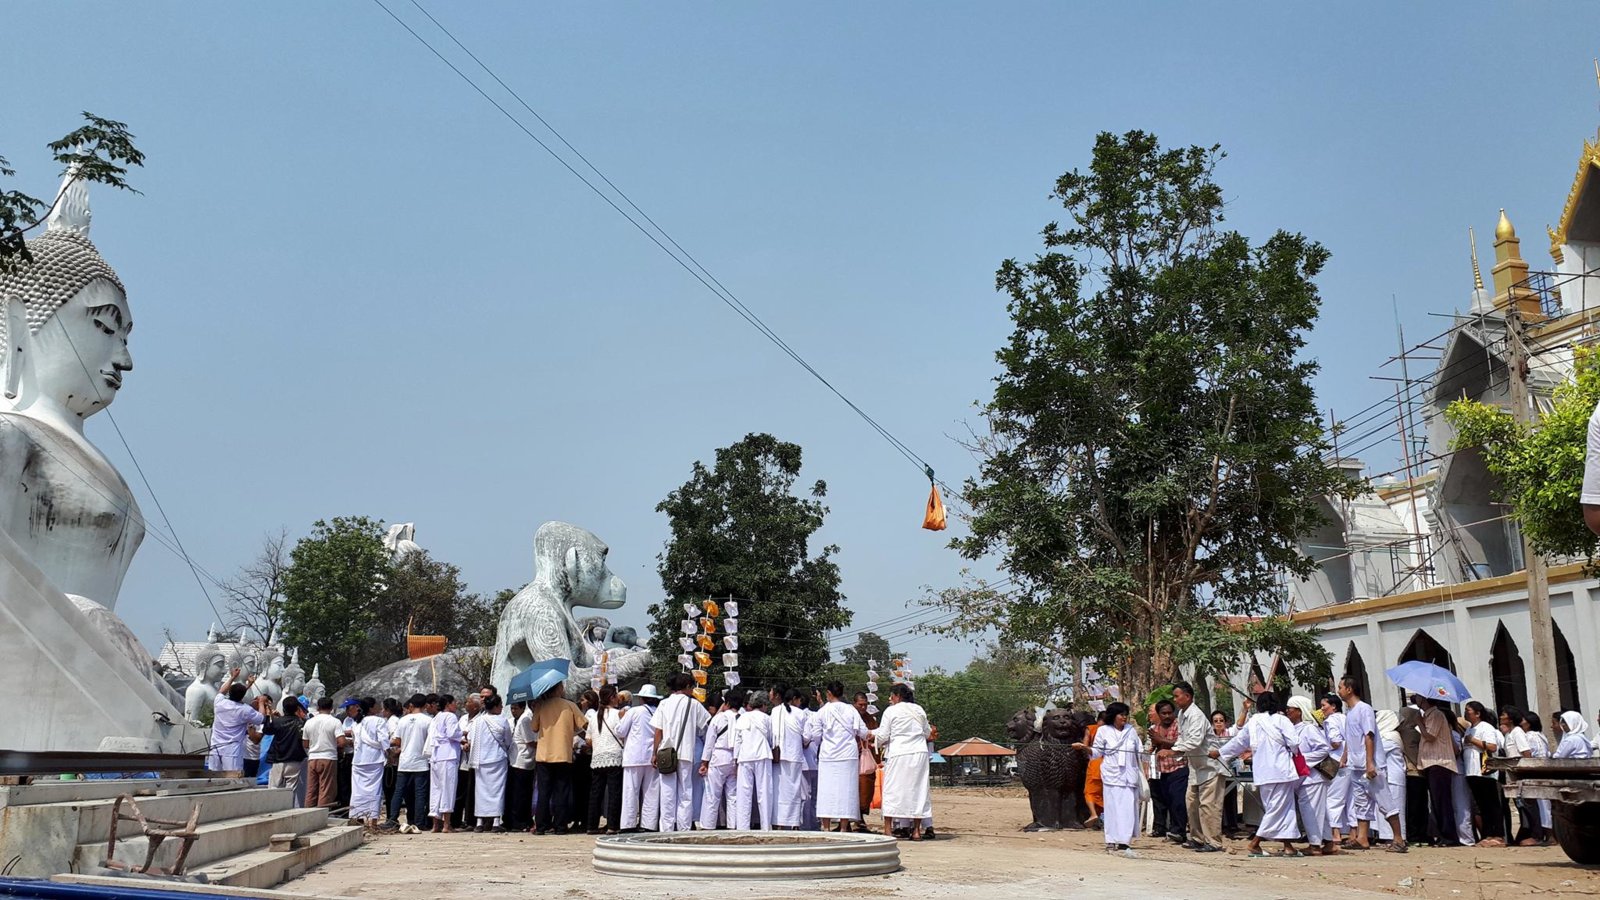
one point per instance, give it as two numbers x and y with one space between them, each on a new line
981 852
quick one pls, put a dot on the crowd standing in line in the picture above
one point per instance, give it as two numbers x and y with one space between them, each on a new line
786 758
1331 776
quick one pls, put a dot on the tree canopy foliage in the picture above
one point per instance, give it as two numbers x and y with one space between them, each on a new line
331 594
101 149
978 700
739 531
1539 467
1153 448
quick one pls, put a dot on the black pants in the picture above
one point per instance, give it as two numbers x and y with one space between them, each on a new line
252 768
1173 787
1441 807
465 794
605 795
1415 815
1486 803
519 798
555 795
1528 824
411 791
580 790
391 773
1230 811
342 781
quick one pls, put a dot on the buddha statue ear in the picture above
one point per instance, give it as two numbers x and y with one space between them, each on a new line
16 325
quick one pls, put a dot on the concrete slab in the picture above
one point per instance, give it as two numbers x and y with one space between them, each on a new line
179 887
83 791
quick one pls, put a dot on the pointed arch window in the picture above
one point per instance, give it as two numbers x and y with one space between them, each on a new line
1509 674
1566 672
1423 647
1356 667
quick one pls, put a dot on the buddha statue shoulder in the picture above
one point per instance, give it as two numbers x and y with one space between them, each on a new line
65 335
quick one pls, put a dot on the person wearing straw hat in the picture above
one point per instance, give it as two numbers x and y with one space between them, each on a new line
641 783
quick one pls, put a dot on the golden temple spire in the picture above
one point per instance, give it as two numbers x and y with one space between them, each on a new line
1477 276
1510 273
1503 229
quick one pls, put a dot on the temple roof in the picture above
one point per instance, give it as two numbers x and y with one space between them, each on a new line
1581 209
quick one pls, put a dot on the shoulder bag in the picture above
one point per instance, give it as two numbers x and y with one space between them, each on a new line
1300 767
667 757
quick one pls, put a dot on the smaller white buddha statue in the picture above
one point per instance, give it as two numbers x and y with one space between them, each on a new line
294 677
210 665
269 679
315 689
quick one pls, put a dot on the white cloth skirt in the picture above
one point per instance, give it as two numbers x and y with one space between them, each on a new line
1341 811
366 791
789 789
905 787
489 790
1278 822
442 777
839 789
1312 798
1121 817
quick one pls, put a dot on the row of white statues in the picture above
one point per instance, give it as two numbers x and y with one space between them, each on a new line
277 672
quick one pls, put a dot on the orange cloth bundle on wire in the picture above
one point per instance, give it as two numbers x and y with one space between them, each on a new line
933 519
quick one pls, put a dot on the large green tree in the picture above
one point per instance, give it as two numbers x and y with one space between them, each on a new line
1539 465
331 595
1153 448
739 530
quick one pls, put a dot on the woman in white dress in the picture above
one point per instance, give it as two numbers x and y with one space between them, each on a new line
903 734
1539 747
1272 742
490 753
839 731
371 738
1121 753
1311 794
1574 742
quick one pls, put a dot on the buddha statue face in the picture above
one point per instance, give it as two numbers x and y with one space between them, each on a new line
212 667
78 356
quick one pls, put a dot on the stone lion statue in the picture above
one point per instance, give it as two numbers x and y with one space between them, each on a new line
538 623
1051 770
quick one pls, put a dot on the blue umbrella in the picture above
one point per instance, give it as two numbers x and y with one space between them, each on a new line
1431 681
531 683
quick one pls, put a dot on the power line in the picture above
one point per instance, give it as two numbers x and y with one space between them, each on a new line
687 262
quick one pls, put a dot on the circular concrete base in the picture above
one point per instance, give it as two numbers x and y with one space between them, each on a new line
746 854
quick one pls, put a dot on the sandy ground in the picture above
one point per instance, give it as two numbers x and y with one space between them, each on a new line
981 852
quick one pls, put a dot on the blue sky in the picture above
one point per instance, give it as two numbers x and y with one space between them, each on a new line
359 290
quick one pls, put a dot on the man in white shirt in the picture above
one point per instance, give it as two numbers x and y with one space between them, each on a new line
411 783
1340 809
1367 757
1203 796
466 791
717 764
677 723
323 736
754 757
519 786
231 722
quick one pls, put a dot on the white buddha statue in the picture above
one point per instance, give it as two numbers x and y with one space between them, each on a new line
294 677
65 332
269 676
210 665
315 690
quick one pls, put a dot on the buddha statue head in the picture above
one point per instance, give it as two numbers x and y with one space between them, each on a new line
315 689
294 678
66 322
210 664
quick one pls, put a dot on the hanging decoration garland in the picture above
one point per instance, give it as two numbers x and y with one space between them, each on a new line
699 627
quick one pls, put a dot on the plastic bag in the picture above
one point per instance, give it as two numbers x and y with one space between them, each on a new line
933 520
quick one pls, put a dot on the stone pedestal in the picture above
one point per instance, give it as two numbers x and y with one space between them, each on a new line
84 693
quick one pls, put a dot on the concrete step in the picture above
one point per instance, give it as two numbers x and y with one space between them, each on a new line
94 818
214 841
262 868
80 791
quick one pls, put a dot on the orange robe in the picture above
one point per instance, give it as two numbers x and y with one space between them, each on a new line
1093 788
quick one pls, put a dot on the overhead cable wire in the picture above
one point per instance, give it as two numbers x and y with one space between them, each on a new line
681 257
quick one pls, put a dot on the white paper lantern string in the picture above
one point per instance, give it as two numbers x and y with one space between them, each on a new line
872 686
872 708
686 642
730 642
730 609
731 625
691 610
731 677
685 659
872 697
688 627
730 660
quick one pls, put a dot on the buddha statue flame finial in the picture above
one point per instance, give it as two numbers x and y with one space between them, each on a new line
71 210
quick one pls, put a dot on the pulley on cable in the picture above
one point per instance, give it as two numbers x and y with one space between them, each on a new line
933 519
